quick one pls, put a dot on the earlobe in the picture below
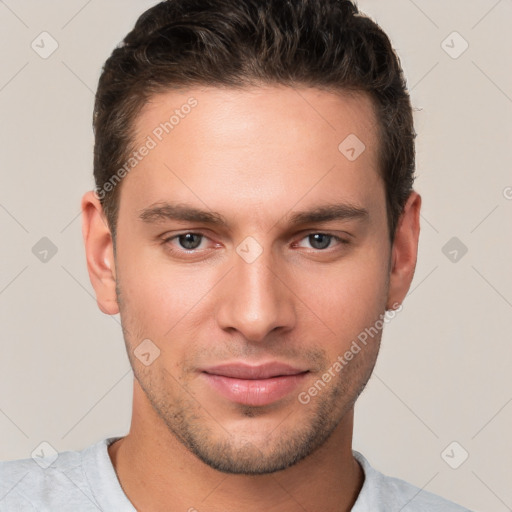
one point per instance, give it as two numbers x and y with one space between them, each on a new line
99 253
404 251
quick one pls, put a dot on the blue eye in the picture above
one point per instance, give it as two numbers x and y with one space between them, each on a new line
321 241
189 241
190 244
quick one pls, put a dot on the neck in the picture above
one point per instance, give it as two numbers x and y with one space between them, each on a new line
158 473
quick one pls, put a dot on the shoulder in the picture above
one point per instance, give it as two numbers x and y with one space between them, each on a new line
41 483
14 475
380 492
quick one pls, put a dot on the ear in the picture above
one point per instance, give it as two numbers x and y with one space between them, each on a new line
99 251
404 251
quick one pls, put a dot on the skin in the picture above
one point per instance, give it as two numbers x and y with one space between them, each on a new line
256 156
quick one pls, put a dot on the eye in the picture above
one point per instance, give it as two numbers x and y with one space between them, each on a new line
188 241
321 241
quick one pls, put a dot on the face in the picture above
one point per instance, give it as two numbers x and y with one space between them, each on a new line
251 252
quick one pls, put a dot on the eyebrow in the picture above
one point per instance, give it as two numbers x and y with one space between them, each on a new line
328 213
182 212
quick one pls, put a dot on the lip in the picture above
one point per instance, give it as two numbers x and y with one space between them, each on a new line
254 385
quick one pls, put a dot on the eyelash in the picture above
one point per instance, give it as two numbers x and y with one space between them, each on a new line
192 252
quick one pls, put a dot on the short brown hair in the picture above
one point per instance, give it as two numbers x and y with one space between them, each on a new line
235 43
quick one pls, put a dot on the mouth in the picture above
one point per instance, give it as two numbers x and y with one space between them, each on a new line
254 385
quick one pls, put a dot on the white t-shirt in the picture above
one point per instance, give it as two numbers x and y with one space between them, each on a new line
85 481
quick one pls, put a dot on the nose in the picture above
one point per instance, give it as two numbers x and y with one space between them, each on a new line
255 299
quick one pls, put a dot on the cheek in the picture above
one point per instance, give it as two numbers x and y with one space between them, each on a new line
162 298
158 295
348 297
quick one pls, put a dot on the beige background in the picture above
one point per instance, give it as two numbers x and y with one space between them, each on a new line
444 371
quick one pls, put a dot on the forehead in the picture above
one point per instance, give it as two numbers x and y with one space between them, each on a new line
253 148
235 115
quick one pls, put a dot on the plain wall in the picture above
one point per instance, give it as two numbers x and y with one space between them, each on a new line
444 370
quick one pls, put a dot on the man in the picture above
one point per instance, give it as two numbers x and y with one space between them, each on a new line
253 221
